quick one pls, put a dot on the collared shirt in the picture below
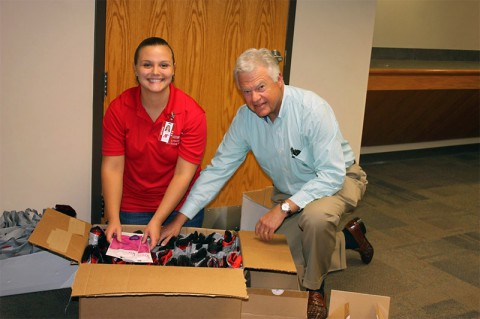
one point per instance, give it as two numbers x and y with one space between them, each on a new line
151 150
303 151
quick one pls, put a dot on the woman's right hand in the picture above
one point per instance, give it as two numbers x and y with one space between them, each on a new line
114 229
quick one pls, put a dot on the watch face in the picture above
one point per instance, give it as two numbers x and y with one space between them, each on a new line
285 207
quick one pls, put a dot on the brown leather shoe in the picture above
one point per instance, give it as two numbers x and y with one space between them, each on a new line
317 306
358 230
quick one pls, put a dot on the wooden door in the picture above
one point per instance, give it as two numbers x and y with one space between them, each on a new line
207 36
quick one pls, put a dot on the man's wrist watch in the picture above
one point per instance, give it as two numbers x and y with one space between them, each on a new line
285 208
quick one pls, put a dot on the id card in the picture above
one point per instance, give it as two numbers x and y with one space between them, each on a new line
166 132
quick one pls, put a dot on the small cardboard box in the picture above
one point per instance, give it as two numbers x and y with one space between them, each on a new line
257 203
143 291
351 305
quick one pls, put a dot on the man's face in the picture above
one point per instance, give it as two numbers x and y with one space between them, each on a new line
262 95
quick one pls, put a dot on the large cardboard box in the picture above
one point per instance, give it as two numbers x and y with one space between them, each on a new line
257 203
142 291
352 305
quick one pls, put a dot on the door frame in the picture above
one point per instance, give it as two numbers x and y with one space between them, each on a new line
97 118
99 87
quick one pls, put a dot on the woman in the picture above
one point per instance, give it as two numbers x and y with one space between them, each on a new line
154 138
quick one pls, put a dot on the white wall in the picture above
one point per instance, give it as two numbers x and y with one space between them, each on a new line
46 71
428 24
331 56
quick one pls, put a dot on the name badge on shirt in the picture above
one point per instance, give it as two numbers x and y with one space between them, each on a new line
166 132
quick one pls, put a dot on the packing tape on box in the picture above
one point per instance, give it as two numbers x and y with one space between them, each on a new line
76 226
58 240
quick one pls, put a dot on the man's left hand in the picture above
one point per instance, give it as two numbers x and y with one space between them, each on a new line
269 223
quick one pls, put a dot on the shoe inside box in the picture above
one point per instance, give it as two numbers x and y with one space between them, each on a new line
193 247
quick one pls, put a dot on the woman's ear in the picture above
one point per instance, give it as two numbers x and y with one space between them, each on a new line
135 70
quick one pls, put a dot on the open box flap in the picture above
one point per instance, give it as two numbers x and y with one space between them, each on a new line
103 279
260 255
262 197
62 234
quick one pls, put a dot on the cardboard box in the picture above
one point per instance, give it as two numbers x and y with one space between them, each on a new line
254 205
35 272
142 291
351 305
257 203
275 304
222 217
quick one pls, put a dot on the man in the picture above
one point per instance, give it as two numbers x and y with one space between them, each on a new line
295 138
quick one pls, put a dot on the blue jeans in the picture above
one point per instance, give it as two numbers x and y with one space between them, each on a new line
143 218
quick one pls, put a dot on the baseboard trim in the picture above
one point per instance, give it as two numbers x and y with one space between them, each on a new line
416 146
419 153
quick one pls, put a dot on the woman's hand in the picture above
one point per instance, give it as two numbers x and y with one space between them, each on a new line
153 231
114 229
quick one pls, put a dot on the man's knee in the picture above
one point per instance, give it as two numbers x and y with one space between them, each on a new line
320 217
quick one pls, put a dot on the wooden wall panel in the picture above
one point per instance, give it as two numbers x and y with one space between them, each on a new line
412 116
207 36
428 103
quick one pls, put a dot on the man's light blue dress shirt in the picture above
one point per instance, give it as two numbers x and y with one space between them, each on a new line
303 151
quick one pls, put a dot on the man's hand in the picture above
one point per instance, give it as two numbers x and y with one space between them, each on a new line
114 229
168 232
172 229
269 223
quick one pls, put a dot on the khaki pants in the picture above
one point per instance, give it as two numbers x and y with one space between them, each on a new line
312 234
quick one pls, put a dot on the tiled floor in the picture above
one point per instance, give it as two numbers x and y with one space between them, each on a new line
422 216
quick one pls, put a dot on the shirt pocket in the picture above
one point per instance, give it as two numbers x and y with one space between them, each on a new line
303 161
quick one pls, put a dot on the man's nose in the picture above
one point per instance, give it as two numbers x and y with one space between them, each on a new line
255 96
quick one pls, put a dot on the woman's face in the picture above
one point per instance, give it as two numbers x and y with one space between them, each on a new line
154 68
